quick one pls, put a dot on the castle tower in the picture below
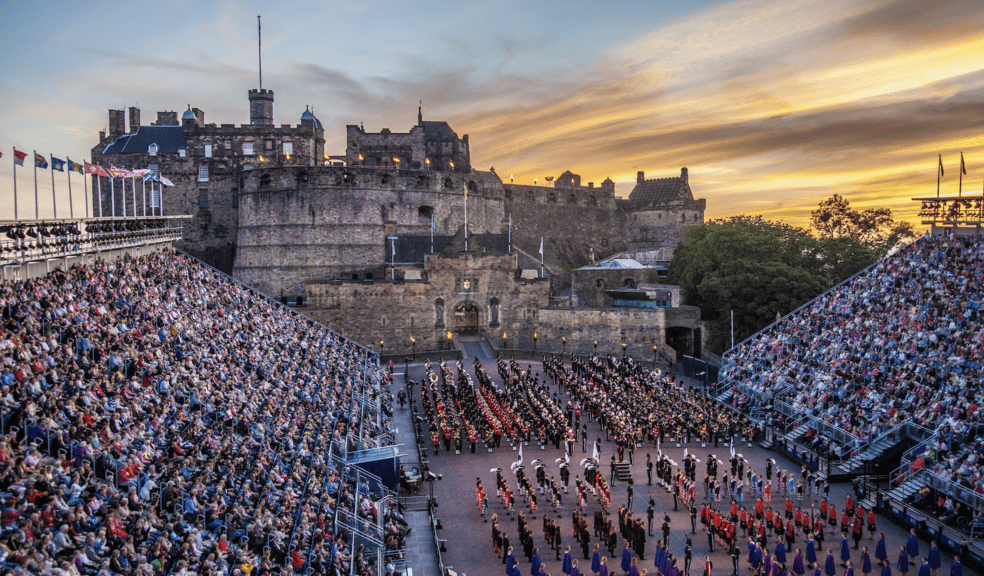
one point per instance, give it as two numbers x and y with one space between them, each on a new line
261 107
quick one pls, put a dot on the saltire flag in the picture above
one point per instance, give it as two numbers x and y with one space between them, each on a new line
40 161
57 164
19 157
941 165
149 177
96 169
75 167
963 167
433 225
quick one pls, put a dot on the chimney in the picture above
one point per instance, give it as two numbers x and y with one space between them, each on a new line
199 116
640 177
117 123
168 118
683 175
134 118
590 184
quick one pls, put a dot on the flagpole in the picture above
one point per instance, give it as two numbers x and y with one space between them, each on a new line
85 188
15 184
466 217
939 172
99 184
54 200
143 185
432 231
71 208
133 195
112 194
36 185
960 189
123 194
509 235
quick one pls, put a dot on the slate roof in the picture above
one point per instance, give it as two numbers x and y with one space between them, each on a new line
308 115
438 131
661 191
169 139
616 264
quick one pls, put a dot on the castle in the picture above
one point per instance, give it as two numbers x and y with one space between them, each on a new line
272 208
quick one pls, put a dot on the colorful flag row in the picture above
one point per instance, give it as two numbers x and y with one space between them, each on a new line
87 168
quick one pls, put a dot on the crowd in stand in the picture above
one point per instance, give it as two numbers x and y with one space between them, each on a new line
159 418
901 341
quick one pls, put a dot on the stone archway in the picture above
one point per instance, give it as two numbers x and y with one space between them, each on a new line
466 317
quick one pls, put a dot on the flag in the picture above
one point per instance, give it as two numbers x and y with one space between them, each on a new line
139 173
96 169
149 177
118 172
941 165
433 225
963 167
75 167
40 161
19 157
57 164
466 191
541 245
393 251
520 461
164 181
594 452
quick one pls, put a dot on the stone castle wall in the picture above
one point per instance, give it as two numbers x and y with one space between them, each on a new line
297 226
639 328
573 222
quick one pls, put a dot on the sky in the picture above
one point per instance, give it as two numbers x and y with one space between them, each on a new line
772 106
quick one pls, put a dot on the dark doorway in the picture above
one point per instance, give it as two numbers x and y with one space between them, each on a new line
466 318
679 339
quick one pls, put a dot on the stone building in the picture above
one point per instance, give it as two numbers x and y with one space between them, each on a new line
206 163
430 145
460 293
660 211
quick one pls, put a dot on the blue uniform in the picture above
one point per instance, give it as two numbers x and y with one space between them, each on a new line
956 569
626 561
912 546
596 562
934 557
845 550
811 551
566 568
924 569
830 566
886 570
535 567
865 563
799 568
903 565
781 552
881 551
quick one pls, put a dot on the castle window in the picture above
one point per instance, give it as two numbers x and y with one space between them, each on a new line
265 180
472 187
592 201
529 196
425 213
208 150
600 283
247 148
629 283
422 182
152 149
508 194
288 148
182 153
448 183
552 197
268 144
247 166
203 198
203 173
439 312
302 178
572 199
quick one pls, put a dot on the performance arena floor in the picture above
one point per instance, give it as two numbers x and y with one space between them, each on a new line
469 539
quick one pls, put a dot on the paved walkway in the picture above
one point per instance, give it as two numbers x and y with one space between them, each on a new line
420 546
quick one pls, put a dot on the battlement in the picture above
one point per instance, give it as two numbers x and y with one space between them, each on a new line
585 196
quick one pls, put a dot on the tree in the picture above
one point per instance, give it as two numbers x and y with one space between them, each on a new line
757 268
874 227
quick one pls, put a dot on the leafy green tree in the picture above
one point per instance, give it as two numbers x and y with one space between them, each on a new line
758 268
874 227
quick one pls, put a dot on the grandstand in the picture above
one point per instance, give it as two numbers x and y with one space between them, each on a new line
879 379
158 417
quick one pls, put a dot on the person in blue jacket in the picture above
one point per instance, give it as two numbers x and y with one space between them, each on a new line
566 566
751 553
849 571
865 561
934 558
830 566
845 549
811 552
799 567
912 547
956 569
596 560
658 556
626 560
881 550
510 559
924 569
780 552
535 567
903 565
886 569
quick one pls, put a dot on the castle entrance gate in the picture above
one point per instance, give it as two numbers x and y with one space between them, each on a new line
466 318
